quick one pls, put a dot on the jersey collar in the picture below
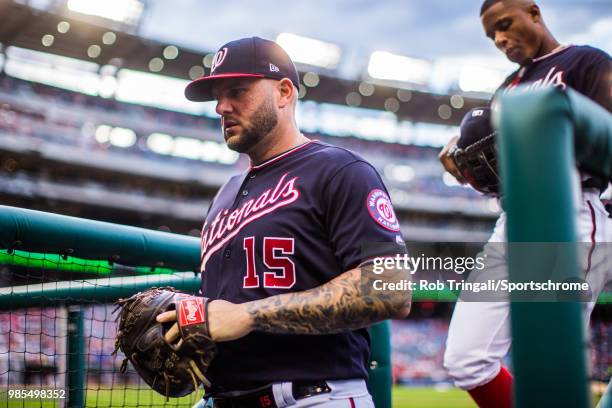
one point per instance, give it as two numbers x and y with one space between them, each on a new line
557 50
282 155
523 69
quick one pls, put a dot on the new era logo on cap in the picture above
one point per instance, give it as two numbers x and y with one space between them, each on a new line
252 57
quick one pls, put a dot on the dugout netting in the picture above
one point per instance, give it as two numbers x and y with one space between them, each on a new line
59 279
57 341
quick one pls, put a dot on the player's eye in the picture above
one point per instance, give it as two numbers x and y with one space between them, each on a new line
504 24
236 92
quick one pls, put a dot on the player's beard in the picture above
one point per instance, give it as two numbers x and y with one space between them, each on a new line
263 121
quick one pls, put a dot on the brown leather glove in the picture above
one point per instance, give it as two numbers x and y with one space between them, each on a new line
173 370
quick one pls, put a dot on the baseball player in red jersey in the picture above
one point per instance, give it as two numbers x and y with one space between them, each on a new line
287 247
479 334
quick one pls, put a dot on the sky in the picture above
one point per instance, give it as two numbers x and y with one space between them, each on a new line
435 30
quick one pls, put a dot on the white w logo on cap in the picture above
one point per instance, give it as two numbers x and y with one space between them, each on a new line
218 59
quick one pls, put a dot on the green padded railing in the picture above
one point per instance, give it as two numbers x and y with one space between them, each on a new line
40 232
542 136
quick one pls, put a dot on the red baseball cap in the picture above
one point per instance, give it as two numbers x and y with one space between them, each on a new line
248 57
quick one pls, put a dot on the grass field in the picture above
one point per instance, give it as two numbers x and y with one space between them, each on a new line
427 397
403 397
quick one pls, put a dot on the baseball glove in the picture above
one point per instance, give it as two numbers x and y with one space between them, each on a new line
173 370
478 165
475 154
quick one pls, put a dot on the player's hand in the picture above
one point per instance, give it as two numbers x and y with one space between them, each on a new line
174 333
448 162
226 321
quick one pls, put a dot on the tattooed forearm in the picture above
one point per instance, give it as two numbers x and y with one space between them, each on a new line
345 303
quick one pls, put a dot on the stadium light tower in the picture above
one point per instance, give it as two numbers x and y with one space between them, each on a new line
398 68
123 15
304 50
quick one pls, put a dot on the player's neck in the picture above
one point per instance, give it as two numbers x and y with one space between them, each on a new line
277 142
549 44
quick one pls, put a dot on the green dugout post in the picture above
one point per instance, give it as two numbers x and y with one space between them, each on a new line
542 136
380 380
76 370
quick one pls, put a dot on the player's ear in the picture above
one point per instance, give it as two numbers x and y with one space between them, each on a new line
286 92
534 13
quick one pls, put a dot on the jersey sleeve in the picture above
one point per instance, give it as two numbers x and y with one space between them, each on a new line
360 218
597 77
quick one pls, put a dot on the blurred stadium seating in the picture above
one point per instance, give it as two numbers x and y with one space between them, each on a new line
103 137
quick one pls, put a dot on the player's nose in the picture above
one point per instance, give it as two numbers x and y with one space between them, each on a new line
500 40
223 106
